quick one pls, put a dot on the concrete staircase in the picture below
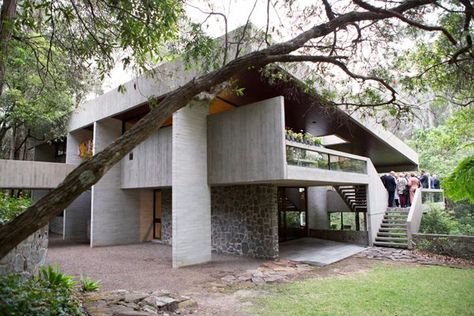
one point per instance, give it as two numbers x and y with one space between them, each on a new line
393 230
355 196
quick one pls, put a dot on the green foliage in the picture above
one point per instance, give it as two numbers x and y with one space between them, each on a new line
55 278
91 32
89 285
436 221
440 149
428 66
385 290
459 184
10 207
36 296
460 221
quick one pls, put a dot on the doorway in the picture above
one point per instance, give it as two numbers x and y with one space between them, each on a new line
292 213
157 212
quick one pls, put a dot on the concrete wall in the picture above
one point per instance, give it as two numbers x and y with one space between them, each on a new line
318 217
336 203
78 214
151 163
22 174
191 193
350 236
77 218
377 202
247 143
447 245
115 217
245 220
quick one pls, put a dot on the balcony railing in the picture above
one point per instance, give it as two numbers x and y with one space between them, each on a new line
322 158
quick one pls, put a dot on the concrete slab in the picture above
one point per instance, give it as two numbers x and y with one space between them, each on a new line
318 252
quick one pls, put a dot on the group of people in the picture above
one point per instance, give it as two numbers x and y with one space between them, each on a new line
401 187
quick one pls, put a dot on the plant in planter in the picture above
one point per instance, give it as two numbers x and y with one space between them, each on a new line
316 141
308 138
299 137
289 134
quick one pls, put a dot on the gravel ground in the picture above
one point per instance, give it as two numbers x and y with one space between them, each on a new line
141 267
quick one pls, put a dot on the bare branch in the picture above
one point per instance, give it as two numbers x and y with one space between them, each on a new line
336 60
403 18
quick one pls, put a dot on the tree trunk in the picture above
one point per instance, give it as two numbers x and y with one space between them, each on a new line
90 171
7 15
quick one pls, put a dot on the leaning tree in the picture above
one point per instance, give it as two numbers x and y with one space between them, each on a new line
92 30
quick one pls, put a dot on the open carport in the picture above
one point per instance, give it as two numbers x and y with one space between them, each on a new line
316 251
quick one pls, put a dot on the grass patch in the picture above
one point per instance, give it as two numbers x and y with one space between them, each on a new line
381 291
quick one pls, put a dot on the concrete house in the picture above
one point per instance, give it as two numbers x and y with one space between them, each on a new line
221 175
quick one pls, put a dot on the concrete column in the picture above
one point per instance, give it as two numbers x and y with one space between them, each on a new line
318 217
191 199
115 216
77 215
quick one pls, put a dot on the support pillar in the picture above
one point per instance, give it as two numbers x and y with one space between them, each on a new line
318 217
77 215
191 198
115 216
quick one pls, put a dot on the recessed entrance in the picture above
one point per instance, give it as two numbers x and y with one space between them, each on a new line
157 211
292 213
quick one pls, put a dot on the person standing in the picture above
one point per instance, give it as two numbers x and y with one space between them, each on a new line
401 190
424 180
413 184
391 186
435 182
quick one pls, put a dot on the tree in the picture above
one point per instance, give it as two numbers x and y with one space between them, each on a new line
36 105
360 16
459 184
441 148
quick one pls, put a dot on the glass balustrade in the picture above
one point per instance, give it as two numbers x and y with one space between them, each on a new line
303 157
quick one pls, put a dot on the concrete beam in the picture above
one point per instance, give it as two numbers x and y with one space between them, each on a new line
21 174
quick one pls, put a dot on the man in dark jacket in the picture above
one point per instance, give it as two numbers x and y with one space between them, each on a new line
435 182
391 185
424 180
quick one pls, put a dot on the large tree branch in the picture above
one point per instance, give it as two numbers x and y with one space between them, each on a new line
403 18
90 171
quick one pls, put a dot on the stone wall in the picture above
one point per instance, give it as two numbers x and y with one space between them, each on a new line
166 217
351 236
28 256
245 220
448 245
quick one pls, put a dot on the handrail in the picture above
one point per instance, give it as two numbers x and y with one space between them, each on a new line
414 217
325 159
325 150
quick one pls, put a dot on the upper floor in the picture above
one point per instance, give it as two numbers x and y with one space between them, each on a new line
246 137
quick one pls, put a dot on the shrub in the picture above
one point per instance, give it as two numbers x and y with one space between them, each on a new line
36 296
436 221
89 285
55 278
10 207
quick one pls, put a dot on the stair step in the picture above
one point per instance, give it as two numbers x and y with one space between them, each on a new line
394 225
393 230
386 234
390 244
392 239
393 221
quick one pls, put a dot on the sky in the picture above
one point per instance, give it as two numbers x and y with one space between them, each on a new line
237 12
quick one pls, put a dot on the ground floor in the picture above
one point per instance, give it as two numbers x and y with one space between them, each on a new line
243 220
229 285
